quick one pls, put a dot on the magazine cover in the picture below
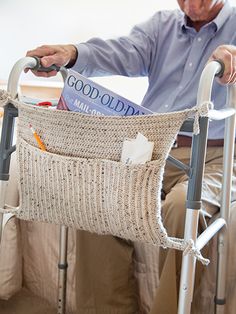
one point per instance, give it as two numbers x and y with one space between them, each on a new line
84 95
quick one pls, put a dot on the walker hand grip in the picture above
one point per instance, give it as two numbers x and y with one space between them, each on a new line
221 72
40 68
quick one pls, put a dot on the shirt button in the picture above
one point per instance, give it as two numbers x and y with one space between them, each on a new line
190 64
166 106
199 39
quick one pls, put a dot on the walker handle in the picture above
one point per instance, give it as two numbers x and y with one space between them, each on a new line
39 68
210 71
222 68
27 63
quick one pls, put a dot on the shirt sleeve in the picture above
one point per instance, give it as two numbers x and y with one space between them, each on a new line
128 55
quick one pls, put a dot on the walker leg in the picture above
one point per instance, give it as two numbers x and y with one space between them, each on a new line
220 298
188 265
228 164
3 188
62 269
186 284
193 205
6 148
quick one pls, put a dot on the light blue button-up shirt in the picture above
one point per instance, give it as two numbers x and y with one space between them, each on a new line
171 54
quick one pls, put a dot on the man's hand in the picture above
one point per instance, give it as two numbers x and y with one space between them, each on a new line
59 55
226 54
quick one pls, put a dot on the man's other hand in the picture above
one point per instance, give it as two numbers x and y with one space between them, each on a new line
226 54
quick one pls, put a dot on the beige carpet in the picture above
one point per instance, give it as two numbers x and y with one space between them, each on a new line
25 302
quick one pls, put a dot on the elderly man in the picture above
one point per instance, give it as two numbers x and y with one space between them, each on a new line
171 49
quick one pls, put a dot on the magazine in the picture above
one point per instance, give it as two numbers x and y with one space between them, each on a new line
84 95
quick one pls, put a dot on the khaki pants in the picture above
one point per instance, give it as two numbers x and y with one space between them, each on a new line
105 281
105 277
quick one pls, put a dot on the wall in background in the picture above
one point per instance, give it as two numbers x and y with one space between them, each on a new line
26 24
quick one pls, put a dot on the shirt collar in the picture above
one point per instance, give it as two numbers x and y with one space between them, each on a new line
218 21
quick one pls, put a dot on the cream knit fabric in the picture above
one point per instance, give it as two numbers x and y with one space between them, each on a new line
80 181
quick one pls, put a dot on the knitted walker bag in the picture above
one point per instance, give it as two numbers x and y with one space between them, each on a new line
80 182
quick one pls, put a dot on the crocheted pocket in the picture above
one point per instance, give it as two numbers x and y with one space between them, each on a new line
97 195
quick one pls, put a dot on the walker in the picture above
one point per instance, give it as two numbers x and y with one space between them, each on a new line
80 182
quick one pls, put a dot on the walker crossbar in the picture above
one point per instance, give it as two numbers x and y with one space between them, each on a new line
177 163
221 114
187 126
206 236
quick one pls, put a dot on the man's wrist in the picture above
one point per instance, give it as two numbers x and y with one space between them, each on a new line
73 56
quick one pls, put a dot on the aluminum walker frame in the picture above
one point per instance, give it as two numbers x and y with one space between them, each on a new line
193 205
194 170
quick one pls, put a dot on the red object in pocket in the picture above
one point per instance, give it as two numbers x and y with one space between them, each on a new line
44 104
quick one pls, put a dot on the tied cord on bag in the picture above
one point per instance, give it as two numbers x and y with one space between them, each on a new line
188 247
201 111
5 98
191 249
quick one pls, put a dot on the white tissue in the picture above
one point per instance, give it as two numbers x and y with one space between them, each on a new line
137 151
